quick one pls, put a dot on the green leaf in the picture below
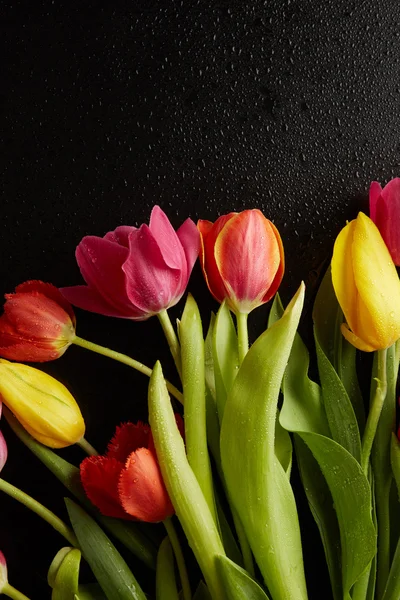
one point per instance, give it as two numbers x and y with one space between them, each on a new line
165 574
321 506
127 533
328 317
226 356
108 566
339 410
283 447
395 460
194 392
55 565
67 577
351 495
248 455
183 488
238 584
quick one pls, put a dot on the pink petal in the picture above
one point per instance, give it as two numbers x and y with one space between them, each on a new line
128 438
374 193
141 488
100 262
167 239
151 284
3 451
189 237
120 235
87 299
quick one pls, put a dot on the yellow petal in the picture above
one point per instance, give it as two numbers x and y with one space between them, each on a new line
355 340
378 285
342 274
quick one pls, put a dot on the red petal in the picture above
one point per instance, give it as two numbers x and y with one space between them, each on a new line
141 488
48 290
208 234
84 297
128 437
100 262
374 193
167 239
100 476
281 269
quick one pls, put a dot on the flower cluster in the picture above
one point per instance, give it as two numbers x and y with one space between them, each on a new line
240 403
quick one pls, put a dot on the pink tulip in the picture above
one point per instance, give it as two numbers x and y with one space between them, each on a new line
384 207
135 273
3 447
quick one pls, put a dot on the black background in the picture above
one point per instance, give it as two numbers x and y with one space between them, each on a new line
203 108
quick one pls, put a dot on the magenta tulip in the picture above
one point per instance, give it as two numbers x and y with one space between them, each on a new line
384 207
135 273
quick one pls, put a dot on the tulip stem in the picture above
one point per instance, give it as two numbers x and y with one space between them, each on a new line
374 411
87 447
172 338
40 510
12 592
243 335
126 360
180 561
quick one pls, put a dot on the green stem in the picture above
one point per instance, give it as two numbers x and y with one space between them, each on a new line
12 592
243 335
126 360
374 411
87 447
40 510
180 561
244 544
171 337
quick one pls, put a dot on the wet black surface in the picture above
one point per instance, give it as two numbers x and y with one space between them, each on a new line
291 107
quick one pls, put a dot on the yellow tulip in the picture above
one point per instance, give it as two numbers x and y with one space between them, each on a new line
43 405
366 285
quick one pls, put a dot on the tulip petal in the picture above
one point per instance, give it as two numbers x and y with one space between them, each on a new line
120 235
377 282
374 193
100 262
343 276
100 476
141 488
387 217
281 269
208 236
247 257
3 451
189 237
167 239
128 438
48 290
86 298
355 340
151 285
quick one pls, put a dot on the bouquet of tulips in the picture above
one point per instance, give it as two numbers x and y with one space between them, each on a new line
214 463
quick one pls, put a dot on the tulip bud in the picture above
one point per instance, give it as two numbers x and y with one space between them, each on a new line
43 405
242 259
38 323
3 451
366 285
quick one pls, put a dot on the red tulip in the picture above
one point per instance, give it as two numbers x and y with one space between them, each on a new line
126 483
38 323
242 259
384 207
3 573
135 273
